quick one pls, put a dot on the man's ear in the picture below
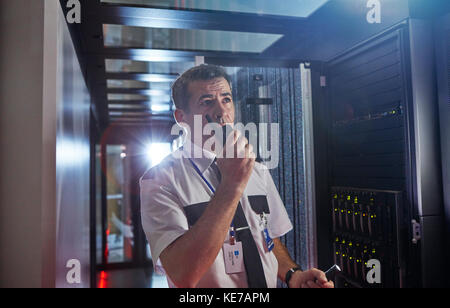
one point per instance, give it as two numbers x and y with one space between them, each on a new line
179 115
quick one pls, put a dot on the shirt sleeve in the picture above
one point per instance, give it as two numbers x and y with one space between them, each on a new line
163 218
278 221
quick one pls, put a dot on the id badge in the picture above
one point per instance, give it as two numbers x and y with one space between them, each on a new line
268 240
234 258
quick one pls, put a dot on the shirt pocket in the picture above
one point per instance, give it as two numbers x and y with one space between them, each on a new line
194 212
259 204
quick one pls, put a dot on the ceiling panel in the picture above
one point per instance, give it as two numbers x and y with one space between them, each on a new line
184 39
129 84
127 106
130 66
293 8
128 97
154 107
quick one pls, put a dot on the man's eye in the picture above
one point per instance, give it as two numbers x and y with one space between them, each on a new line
207 102
227 100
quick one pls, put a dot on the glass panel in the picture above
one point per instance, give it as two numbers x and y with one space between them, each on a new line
130 120
155 108
295 8
120 237
130 66
127 97
161 85
159 99
128 84
159 38
161 107
127 106
129 114
134 84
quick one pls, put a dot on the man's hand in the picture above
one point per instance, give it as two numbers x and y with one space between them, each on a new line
312 278
236 170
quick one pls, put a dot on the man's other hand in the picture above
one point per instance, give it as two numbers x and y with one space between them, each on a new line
312 278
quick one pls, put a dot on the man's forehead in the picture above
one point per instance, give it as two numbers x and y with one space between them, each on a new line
213 85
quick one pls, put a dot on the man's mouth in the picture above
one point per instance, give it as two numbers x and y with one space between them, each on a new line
220 121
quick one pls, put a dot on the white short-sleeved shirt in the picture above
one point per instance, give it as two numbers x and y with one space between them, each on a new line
173 197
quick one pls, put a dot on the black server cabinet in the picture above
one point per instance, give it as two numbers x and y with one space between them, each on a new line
381 141
442 41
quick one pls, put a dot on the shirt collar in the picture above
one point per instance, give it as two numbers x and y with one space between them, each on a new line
201 157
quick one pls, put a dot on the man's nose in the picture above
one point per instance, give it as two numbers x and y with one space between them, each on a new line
221 111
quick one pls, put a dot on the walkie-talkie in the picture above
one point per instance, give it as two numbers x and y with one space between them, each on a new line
332 272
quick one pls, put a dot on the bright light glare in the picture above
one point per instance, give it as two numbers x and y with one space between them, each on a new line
156 152
160 107
71 152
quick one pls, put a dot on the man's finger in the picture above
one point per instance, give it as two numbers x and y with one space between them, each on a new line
328 285
248 150
320 276
312 284
233 137
241 147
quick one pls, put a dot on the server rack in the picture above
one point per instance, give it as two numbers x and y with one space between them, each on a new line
367 226
381 141
442 37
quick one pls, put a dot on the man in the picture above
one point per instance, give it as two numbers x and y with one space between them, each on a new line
211 220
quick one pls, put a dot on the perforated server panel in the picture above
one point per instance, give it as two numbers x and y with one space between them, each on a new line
367 96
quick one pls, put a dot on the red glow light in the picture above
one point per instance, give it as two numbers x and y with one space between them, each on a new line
102 282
